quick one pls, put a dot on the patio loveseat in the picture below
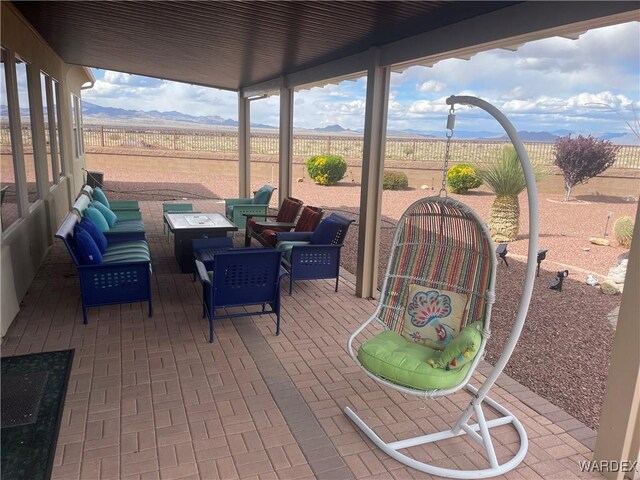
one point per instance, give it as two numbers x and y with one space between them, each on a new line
112 270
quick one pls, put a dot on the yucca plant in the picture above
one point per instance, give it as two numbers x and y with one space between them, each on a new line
506 180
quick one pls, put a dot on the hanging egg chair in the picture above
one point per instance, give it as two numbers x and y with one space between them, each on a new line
435 309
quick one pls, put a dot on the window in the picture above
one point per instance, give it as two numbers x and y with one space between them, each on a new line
9 200
25 120
47 136
58 119
50 127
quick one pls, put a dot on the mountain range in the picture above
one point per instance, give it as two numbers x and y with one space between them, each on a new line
96 114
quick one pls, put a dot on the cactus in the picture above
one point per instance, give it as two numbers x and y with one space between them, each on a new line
623 231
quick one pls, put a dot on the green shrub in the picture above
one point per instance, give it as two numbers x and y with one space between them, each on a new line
623 231
394 180
326 169
462 177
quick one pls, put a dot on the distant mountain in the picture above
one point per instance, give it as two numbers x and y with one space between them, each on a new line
534 136
96 114
332 129
93 113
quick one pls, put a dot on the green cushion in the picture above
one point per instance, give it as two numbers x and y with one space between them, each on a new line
262 195
128 226
96 217
109 216
99 196
286 247
403 362
463 348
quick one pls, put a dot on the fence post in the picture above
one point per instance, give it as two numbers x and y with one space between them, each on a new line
414 150
329 145
175 138
102 135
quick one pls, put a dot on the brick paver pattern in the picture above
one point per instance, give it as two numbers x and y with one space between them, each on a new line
150 398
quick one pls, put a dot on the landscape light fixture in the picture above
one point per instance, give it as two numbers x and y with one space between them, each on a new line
501 251
606 225
556 283
542 254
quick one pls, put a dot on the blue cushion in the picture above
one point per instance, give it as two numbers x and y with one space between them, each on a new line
96 217
88 251
262 195
325 233
97 235
99 196
109 216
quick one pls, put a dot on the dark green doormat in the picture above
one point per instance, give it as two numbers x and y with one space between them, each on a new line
32 399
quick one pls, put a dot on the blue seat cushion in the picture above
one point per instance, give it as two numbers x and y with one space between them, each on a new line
95 232
88 251
96 217
109 216
99 196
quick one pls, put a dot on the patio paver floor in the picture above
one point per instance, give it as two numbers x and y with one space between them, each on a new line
150 398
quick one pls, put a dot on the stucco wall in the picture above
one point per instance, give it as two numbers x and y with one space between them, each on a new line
26 242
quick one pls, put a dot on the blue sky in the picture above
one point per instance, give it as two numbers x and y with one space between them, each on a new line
550 84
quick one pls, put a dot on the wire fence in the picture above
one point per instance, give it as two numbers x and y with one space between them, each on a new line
306 145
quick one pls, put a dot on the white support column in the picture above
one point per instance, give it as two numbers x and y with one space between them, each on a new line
38 138
244 146
375 128
619 430
286 144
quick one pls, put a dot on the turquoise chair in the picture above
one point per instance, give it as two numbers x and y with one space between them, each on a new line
236 209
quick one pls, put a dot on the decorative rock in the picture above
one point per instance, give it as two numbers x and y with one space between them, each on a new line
300 180
618 273
585 249
425 187
599 241
609 287
591 280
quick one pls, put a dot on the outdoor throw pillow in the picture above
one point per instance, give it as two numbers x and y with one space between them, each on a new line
433 317
99 196
325 232
97 235
96 217
262 195
88 251
462 349
108 215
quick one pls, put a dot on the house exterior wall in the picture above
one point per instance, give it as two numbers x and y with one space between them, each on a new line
26 242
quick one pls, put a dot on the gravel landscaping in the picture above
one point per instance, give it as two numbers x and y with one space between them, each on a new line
563 353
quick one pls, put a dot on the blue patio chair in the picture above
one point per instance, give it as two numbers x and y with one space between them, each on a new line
314 255
241 277
204 249
236 209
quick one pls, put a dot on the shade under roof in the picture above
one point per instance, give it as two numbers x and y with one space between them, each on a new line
231 44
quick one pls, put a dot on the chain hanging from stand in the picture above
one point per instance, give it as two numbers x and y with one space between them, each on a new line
451 122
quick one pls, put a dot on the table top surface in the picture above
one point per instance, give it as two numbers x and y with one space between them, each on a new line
198 221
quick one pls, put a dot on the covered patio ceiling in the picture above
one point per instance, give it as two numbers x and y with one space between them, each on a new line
238 44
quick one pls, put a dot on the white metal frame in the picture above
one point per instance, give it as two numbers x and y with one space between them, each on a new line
475 408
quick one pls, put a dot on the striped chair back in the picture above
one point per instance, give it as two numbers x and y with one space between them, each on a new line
439 243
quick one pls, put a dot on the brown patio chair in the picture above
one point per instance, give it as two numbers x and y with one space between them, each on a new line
286 216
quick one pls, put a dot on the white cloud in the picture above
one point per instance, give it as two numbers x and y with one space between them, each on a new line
431 86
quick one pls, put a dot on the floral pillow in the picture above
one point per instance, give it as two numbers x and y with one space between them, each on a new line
433 317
